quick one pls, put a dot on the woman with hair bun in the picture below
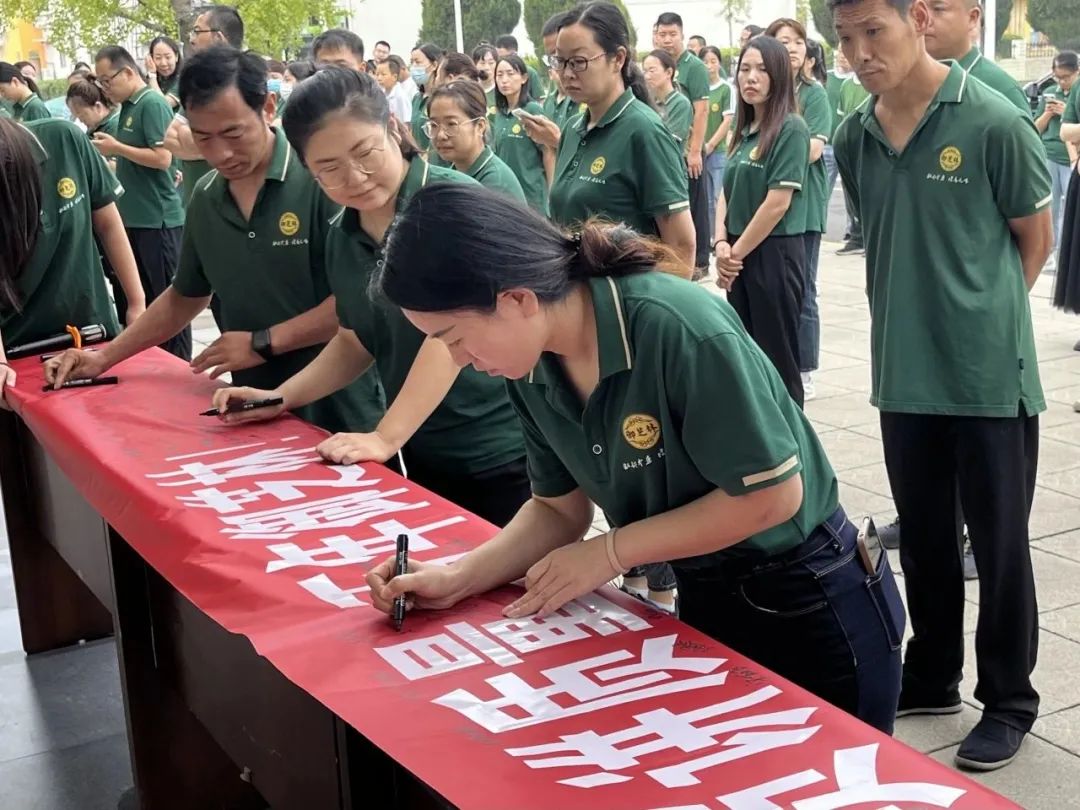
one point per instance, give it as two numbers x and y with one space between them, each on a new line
642 393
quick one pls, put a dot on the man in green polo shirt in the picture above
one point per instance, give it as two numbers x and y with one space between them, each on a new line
255 237
216 25
692 78
951 184
151 208
952 24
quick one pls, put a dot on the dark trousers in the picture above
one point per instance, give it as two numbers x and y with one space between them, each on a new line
699 212
936 465
813 615
494 495
809 318
768 295
157 255
659 576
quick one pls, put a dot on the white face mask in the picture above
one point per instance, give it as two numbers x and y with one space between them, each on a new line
286 89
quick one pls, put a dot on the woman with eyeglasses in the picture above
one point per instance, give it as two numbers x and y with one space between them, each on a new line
615 161
531 162
458 126
455 428
22 93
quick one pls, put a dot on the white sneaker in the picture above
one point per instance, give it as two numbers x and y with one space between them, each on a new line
809 391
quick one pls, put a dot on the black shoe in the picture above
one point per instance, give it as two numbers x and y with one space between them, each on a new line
890 535
851 249
1076 346
970 571
992 744
917 701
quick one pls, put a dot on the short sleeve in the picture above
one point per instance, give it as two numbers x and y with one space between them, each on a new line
681 118
726 99
733 425
155 119
697 82
1042 106
816 114
663 185
332 258
104 187
1070 116
547 474
789 157
190 279
1017 167
324 211
843 146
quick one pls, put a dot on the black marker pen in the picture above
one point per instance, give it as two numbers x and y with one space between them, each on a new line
84 383
250 405
401 566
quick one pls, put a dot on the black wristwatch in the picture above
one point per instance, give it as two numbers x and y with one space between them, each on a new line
260 344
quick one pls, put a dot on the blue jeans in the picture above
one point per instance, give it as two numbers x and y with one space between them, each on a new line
714 167
809 320
813 615
1059 184
659 576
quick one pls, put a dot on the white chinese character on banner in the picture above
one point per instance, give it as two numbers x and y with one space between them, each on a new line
340 550
228 501
339 512
609 685
857 784
259 462
663 730
523 635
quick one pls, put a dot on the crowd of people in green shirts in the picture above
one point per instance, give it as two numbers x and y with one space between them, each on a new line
483 278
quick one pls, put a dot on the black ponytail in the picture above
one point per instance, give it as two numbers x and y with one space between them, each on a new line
20 200
8 72
438 261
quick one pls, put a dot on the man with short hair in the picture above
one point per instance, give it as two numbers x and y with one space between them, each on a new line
692 78
951 185
696 43
151 208
382 51
386 74
507 44
953 23
340 47
216 25
255 238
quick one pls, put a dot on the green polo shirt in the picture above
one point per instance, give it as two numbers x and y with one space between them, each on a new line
719 106
562 109
627 169
419 118
833 83
951 326
63 283
474 428
748 178
814 108
192 170
269 269
491 172
110 124
6 108
537 87
523 155
33 109
492 108
1051 136
993 76
677 113
686 404
151 199
1072 114
852 95
692 77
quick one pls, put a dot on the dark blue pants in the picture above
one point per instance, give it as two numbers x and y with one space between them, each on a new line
812 615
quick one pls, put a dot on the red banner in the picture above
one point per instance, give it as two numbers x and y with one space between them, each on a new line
604 705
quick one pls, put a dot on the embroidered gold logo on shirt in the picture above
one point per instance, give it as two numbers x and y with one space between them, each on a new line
641 431
492 110
66 188
716 106
128 123
950 159
754 153
598 165
516 129
289 223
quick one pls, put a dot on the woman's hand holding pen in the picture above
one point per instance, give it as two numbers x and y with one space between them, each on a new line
75 364
224 398
431 587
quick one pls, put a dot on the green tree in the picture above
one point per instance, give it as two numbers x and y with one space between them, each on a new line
538 12
273 27
1004 13
732 12
1058 19
483 20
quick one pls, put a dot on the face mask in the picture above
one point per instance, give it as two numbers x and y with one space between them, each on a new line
286 90
273 85
419 74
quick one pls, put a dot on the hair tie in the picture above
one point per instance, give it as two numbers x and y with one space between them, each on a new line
576 239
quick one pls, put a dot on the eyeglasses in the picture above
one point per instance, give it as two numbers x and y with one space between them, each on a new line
578 64
338 175
106 81
197 31
433 128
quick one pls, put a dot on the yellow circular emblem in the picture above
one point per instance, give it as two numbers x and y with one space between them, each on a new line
129 121
716 106
641 431
289 223
598 165
950 158
516 129
66 188
492 110
754 153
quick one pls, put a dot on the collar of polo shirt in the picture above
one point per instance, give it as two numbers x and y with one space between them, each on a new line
415 179
614 111
612 334
950 92
40 155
